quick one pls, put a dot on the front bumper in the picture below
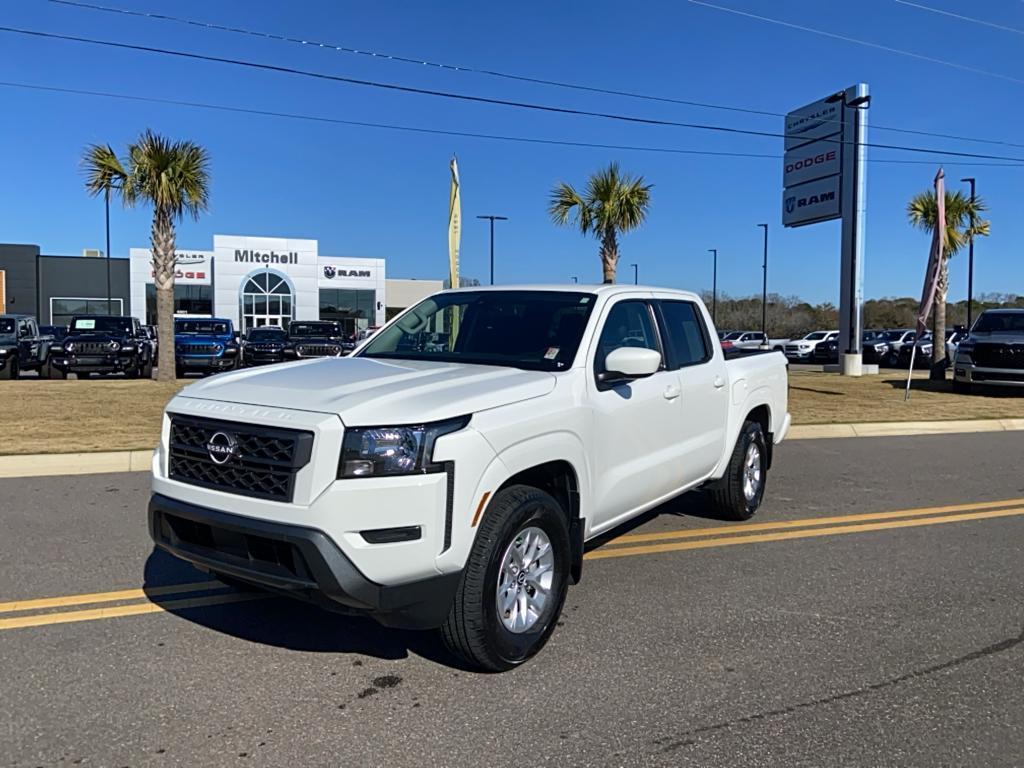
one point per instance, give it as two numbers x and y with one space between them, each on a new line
294 560
205 363
970 373
94 363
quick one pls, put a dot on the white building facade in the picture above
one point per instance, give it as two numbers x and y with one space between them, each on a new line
256 281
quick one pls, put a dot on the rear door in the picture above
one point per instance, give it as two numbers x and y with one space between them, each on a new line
703 386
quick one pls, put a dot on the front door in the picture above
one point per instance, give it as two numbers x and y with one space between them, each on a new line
636 456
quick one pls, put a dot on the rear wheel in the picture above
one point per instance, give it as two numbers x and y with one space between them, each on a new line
514 584
10 371
962 387
738 494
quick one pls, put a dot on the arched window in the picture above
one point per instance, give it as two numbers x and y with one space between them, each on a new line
266 299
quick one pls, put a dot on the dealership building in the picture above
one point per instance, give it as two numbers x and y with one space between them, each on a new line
254 281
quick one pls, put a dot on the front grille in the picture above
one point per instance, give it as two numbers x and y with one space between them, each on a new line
92 348
792 348
199 349
317 350
998 355
263 462
263 348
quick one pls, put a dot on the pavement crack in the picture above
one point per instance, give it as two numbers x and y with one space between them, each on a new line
686 738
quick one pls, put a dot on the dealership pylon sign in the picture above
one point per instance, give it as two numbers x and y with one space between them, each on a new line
823 178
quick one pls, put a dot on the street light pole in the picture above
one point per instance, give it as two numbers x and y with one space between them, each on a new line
574 279
970 260
493 219
636 274
714 287
106 200
764 287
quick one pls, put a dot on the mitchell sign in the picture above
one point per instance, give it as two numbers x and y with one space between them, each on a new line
266 257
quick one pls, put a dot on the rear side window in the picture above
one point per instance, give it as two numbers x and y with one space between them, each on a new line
686 336
629 324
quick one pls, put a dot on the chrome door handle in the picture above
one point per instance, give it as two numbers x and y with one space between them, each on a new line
671 392
719 382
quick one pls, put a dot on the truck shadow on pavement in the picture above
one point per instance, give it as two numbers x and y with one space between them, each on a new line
287 623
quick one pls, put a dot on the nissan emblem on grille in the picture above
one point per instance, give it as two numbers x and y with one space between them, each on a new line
222 447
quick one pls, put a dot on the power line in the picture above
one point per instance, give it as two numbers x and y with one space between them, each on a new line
961 17
481 99
876 46
336 47
444 132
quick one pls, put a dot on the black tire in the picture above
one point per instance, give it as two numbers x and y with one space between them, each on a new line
728 498
133 372
50 371
473 630
962 387
84 375
147 369
179 372
10 371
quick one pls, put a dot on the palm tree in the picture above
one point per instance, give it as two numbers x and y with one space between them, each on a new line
173 177
962 222
614 203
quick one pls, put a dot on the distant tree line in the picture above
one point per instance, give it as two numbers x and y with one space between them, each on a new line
790 316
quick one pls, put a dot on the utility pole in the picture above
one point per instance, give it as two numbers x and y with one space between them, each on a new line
493 219
636 274
714 286
970 260
764 288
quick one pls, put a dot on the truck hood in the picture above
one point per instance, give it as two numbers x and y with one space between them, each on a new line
365 392
202 338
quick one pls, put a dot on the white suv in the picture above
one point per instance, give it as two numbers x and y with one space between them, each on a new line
803 349
448 473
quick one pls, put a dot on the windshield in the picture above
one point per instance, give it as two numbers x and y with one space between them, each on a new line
206 327
267 334
816 336
314 329
57 331
6 326
119 325
734 336
1000 322
894 335
536 330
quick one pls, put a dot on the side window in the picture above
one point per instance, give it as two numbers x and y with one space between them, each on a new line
628 325
687 338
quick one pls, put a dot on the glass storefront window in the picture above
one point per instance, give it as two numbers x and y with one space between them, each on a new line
354 309
266 299
63 309
188 300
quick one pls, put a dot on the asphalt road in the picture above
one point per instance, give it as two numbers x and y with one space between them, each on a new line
872 640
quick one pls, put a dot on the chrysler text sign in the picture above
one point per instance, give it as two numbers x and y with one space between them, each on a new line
811 161
815 121
811 202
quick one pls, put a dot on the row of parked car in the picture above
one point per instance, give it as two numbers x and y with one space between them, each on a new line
106 344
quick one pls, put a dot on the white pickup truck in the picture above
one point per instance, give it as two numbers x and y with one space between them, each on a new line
449 472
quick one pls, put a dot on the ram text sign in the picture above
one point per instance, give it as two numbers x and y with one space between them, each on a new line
811 202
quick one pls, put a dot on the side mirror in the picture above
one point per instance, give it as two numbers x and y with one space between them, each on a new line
631 363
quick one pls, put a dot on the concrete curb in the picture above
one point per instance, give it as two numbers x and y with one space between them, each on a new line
141 461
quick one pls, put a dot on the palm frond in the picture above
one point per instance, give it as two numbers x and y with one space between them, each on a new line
103 170
567 207
962 217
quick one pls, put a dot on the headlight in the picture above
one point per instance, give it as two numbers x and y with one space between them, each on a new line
382 451
114 346
69 347
3 352
217 347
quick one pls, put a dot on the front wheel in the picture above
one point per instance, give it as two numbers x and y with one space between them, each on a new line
514 584
962 387
10 371
738 494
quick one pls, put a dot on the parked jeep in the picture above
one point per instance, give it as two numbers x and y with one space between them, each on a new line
314 338
264 345
104 344
205 345
22 347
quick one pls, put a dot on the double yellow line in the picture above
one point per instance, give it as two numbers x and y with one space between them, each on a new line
135 602
749 533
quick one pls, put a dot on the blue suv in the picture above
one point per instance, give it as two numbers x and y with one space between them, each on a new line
204 345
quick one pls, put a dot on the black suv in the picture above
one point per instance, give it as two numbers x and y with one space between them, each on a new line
264 345
315 338
23 347
104 344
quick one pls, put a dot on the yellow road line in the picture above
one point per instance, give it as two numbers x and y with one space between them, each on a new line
136 609
108 597
652 549
691 533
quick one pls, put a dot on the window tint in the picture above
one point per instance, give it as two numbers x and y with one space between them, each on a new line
685 332
628 325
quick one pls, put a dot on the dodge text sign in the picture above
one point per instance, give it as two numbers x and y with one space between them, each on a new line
811 161
811 202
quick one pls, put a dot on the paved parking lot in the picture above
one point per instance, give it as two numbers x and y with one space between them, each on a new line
870 615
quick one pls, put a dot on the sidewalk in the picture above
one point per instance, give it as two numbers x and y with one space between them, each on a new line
140 461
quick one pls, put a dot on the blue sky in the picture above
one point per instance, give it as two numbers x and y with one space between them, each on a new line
373 192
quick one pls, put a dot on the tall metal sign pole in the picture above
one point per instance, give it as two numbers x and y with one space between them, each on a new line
824 174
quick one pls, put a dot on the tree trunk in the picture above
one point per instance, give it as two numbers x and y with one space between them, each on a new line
163 278
939 362
609 255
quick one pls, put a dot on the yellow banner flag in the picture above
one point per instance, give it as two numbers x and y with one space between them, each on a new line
454 239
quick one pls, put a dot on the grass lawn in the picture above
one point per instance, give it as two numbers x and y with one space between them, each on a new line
115 414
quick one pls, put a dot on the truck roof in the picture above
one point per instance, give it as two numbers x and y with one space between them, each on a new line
601 289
